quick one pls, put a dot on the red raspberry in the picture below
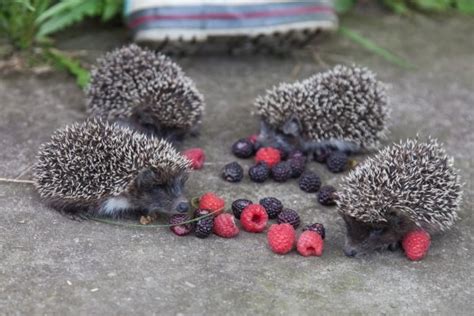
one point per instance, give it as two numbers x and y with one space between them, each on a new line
210 201
269 155
310 244
281 238
253 138
254 218
197 157
224 226
416 244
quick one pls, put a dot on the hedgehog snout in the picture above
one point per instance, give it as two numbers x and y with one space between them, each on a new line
349 251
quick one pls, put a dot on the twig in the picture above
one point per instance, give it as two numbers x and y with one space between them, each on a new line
24 171
296 71
7 180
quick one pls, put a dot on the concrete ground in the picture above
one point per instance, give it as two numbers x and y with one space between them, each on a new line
52 265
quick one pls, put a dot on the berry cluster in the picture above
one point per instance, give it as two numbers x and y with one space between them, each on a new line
282 166
210 217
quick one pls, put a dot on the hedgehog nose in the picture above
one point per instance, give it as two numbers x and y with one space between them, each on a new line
350 252
182 207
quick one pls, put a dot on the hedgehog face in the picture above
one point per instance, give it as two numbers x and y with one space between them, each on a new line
286 138
150 196
363 238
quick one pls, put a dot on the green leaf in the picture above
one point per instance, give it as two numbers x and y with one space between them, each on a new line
71 65
398 6
111 9
433 5
374 48
343 6
465 6
58 9
64 18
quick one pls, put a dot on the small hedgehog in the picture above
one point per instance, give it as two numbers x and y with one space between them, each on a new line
109 170
343 108
145 90
405 186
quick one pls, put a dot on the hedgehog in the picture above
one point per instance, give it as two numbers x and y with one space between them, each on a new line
344 108
146 91
105 169
409 185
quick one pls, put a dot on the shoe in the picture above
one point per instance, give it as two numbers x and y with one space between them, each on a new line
258 22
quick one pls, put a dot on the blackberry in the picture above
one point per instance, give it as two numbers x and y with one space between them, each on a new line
281 172
239 205
259 173
272 205
243 148
296 154
297 165
233 172
204 227
337 161
326 195
178 228
317 228
310 182
289 216
321 154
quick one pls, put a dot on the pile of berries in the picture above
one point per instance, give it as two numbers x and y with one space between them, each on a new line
272 163
210 217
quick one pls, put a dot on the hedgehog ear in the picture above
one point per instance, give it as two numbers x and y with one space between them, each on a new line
292 126
145 179
265 130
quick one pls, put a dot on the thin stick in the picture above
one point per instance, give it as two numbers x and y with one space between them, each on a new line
7 180
24 171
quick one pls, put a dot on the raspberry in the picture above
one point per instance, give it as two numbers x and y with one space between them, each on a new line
289 216
254 218
259 173
297 166
321 154
272 206
196 156
281 238
233 172
337 162
224 226
281 171
204 227
317 228
310 244
178 228
210 201
243 148
326 195
269 155
239 205
416 244
201 212
310 182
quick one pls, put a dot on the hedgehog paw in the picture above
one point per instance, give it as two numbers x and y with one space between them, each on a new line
394 246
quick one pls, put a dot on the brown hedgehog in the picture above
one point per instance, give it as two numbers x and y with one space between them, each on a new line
145 90
344 108
105 169
403 187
